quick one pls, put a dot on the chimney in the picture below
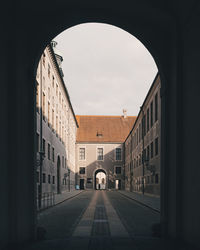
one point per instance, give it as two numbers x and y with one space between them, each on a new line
124 113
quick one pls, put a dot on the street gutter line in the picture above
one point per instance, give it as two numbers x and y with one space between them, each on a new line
141 203
43 209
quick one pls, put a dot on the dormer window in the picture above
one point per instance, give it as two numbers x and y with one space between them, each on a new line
99 134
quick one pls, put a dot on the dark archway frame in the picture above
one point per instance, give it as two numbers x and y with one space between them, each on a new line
142 31
169 30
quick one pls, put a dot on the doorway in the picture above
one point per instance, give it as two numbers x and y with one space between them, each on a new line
100 180
82 181
118 184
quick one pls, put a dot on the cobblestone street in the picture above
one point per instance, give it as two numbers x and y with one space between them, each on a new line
100 220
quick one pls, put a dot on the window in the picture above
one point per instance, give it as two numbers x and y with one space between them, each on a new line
37 97
89 180
156 107
49 157
147 119
118 170
56 89
81 153
52 118
156 146
144 155
43 59
53 81
82 170
43 145
144 126
140 134
49 93
151 113
53 154
152 150
53 180
152 179
43 178
48 113
147 152
156 178
37 142
48 70
49 178
43 106
118 154
56 125
63 161
59 97
100 154
60 128
38 177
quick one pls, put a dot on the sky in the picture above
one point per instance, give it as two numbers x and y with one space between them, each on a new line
106 69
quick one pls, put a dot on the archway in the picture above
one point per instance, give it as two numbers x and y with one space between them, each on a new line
100 177
168 33
58 175
61 23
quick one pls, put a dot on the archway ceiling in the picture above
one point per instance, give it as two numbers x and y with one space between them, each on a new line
181 9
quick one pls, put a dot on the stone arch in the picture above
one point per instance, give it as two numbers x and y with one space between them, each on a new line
95 172
156 29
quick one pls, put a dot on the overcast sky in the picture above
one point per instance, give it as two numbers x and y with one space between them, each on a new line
106 69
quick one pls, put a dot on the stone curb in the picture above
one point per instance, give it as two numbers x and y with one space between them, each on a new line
140 202
60 202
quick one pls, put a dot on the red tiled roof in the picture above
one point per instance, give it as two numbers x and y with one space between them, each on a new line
103 128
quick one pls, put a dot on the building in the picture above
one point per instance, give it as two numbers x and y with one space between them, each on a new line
93 152
142 146
100 150
56 126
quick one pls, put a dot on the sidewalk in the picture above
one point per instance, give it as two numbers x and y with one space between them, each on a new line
147 200
59 198
54 199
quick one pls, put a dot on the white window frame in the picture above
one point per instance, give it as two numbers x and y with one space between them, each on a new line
79 153
97 147
116 154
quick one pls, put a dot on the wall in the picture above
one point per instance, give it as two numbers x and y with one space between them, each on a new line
58 126
108 163
134 146
158 25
